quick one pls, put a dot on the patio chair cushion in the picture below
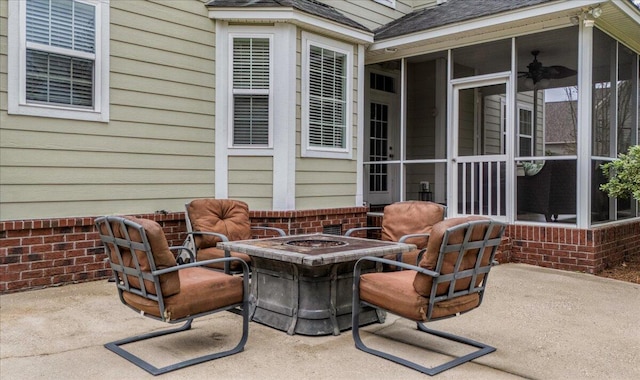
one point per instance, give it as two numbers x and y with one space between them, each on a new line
201 290
394 292
410 217
226 216
163 257
422 282
216 253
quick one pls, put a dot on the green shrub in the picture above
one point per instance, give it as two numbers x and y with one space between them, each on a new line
623 175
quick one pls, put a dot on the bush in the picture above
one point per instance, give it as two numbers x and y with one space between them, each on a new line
623 175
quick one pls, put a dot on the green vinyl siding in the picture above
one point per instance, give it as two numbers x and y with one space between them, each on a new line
156 151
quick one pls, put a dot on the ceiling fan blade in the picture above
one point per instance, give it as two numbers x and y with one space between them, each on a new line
558 72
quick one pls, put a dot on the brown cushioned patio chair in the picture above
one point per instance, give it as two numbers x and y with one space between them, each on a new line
450 280
210 221
151 283
408 222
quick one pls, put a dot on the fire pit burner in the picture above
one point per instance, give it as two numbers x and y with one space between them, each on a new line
316 243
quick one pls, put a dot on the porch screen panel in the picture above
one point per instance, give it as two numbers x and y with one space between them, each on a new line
60 54
327 98
251 91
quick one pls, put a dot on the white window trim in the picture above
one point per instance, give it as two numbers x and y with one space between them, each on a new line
17 69
248 149
309 39
388 3
225 86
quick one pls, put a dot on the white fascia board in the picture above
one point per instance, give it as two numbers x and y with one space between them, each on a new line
292 16
628 9
488 21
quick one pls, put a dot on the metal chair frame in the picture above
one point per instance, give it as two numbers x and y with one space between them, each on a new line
457 274
122 273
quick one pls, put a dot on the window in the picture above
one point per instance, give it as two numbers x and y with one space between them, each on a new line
59 50
251 91
525 132
326 98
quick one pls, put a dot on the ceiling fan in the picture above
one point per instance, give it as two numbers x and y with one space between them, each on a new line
539 76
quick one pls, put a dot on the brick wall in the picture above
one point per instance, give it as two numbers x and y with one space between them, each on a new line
582 250
311 221
50 252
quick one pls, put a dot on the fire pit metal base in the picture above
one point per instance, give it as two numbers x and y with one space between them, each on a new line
306 288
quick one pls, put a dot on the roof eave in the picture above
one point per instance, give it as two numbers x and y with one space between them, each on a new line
294 16
479 23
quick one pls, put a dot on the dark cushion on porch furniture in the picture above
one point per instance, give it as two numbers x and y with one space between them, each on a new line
423 282
201 290
163 257
551 191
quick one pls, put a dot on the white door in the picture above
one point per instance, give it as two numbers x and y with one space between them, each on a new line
381 149
478 163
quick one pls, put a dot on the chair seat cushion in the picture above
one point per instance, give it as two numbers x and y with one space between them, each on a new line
216 253
394 291
201 290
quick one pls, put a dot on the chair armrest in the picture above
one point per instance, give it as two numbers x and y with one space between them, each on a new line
222 237
352 230
245 267
356 270
409 236
276 229
183 248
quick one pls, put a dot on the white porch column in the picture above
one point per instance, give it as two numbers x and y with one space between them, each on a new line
584 138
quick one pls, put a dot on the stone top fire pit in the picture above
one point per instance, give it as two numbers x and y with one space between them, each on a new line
315 249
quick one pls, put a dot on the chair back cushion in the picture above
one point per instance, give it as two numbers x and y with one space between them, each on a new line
162 256
225 216
423 283
411 217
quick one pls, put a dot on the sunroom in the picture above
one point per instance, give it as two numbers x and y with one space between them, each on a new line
510 116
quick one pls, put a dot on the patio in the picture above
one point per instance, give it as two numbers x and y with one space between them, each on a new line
546 324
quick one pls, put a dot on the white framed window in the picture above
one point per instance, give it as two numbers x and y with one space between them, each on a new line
58 58
251 73
326 97
525 132
524 122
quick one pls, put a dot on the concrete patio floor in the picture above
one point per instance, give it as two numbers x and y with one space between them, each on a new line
545 324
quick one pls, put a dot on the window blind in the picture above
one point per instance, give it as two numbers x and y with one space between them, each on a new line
58 77
251 87
327 98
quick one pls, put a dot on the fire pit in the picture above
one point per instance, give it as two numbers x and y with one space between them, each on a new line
302 284
316 243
